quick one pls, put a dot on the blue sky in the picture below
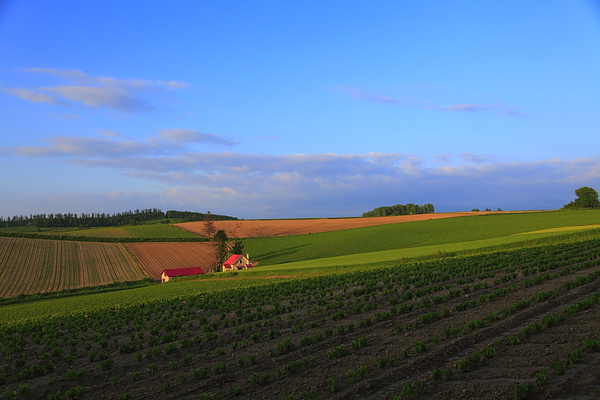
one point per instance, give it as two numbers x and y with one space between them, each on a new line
272 109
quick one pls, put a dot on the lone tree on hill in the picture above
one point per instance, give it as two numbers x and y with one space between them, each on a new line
586 198
209 226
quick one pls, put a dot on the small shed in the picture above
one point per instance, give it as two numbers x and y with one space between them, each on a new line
238 261
167 274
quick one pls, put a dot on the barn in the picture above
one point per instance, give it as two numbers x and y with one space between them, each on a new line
238 261
167 274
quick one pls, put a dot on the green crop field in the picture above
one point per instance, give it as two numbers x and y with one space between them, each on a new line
137 231
284 249
387 331
352 249
357 261
182 288
362 261
61 307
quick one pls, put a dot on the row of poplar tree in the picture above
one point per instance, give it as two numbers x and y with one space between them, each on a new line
83 220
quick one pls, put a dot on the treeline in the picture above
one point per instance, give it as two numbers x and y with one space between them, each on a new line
189 216
96 220
400 209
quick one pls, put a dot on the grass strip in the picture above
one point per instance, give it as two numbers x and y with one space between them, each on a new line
360 261
416 234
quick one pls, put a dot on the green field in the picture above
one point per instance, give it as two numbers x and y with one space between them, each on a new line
357 261
137 231
297 333
181 288
276 337
335 252
354 262
74 306
284 249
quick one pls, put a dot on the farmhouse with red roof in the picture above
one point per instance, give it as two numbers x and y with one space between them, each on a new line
238 261
167 274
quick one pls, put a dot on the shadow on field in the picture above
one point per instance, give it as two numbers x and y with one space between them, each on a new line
279 253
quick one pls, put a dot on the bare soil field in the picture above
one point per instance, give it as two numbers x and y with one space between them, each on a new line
153 258
286 227
37 266
521 324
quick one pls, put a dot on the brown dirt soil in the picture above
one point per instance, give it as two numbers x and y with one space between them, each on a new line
341 313
286 227
37 266
153 258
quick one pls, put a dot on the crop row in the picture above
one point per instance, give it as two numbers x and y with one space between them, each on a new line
524 388
276 337
35 266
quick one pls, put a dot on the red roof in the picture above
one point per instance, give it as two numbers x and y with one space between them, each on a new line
233 259
183 271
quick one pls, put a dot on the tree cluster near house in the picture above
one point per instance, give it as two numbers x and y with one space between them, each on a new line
400 209
222 245
227 249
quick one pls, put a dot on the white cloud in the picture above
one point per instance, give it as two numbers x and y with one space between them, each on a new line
466 107
473 158
366 96
69 74
129 96
107 132
60 146
191 136
314 185
108 98
118 150
33 97
442 158
67 116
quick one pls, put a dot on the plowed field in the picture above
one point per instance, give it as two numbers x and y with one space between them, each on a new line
153 258
286 227
37 266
